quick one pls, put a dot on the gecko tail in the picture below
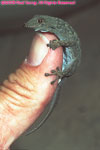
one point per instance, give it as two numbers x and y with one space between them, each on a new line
52 106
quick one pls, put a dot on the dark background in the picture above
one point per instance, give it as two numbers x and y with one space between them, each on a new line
75 122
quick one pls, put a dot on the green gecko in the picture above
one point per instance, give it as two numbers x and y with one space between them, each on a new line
68 39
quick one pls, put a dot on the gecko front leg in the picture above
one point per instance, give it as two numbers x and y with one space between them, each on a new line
57 43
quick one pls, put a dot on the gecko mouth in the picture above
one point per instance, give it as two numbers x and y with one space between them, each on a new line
40 30
35 29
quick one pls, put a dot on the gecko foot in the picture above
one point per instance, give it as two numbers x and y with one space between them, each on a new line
53 44
58 72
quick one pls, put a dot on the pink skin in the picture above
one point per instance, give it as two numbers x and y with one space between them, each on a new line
26 93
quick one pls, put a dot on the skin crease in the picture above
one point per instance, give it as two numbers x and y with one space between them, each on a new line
25 94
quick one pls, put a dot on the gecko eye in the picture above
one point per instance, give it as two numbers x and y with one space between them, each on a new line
40 20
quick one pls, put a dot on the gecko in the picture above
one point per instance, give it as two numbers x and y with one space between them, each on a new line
69 40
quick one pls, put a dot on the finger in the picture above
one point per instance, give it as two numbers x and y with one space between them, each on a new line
24 95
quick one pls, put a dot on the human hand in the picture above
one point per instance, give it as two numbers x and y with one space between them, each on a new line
25 94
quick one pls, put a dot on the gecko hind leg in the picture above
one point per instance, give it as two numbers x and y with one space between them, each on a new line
58 72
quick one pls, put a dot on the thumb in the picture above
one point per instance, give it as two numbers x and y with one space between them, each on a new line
25 94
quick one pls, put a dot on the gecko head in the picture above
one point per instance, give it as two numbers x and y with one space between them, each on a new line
42 23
